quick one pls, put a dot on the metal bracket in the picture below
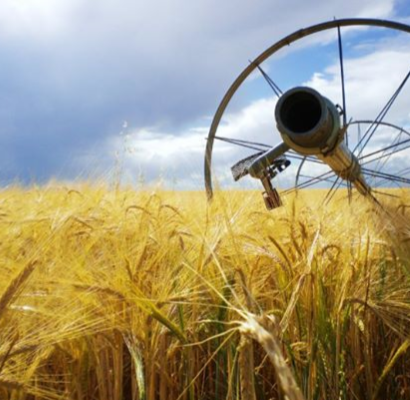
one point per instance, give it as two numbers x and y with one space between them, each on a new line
270 195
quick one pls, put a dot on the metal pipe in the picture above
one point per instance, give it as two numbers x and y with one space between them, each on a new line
309 124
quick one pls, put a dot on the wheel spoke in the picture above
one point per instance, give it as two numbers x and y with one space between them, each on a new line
276 89
403 171
373 127
385 193
382 123
333 189
395 142
349 191
390 147
244 143
309 183
327 180
383 163
381 182
262 146
299 171
386 176
359 134
342 76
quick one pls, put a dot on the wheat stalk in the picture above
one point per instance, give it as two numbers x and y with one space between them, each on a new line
400 351
10 384
246 368
262 329
15 285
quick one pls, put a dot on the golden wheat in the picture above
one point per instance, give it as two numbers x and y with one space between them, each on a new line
117 294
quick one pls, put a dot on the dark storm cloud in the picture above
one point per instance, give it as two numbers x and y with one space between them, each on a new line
70 75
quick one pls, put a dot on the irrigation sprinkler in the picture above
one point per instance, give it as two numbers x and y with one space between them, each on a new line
313 129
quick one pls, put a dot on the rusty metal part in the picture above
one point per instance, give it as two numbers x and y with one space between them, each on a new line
270 195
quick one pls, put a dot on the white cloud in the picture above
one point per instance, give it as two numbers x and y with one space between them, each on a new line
72 69
33 19
174 158
370 81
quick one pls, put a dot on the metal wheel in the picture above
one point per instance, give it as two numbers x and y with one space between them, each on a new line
321 136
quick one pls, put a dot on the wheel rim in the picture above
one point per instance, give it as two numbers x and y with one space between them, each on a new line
267 54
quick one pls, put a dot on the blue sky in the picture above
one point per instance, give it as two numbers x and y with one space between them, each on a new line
73 71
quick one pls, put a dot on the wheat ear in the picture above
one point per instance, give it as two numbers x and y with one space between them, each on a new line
262 329
14 286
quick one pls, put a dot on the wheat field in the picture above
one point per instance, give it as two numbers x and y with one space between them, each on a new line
156 295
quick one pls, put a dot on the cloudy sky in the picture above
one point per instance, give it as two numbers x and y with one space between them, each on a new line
94 89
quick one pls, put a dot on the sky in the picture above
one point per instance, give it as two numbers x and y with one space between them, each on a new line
127 89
